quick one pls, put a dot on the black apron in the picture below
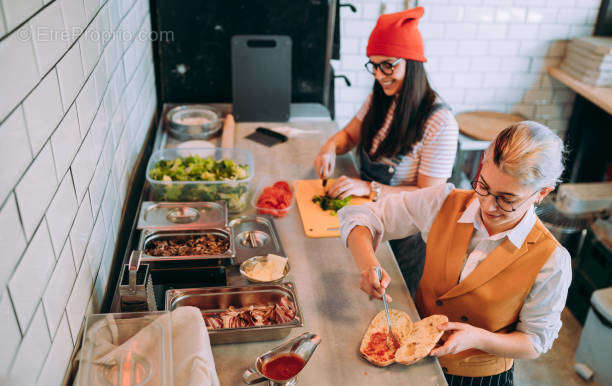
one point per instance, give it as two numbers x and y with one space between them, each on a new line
410 251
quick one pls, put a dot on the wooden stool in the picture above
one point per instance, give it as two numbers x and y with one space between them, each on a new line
476 131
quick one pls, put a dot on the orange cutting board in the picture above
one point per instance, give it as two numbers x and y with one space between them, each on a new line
316 221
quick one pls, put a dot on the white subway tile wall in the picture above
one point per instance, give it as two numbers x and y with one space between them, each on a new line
59 287
43 111
16 12
9 333
57 360
30 278
35 190
75 110
48 49
12 239
2 24
19 74
74 15
482 54
70 73
77 302
32 352
66 141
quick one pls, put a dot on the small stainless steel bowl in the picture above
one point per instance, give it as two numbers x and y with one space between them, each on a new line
248 264
193 122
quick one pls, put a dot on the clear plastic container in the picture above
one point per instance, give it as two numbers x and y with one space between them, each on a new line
193 122
235 192
126 349
264 182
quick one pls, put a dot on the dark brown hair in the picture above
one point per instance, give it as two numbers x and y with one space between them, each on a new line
414 106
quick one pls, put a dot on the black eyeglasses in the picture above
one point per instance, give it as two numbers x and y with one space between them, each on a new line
385 67
502 203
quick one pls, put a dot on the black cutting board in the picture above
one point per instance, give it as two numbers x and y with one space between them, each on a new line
261 77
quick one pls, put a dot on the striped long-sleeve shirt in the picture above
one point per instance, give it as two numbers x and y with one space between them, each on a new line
433 155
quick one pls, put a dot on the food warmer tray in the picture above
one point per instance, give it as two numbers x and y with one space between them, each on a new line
220 298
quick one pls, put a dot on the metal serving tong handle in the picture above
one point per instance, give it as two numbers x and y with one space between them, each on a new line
134 264
384 298
252 239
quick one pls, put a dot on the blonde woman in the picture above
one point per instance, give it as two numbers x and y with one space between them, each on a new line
491 266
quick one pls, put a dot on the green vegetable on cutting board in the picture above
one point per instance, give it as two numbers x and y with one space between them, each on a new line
330 203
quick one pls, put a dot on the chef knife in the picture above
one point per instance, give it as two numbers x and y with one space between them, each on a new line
324 179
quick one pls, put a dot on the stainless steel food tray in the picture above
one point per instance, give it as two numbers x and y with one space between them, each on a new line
182 215
226 258
255 236
218 299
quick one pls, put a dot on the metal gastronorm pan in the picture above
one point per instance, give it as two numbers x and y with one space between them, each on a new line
226 258
218 299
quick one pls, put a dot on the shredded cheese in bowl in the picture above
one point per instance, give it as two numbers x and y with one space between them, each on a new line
268 268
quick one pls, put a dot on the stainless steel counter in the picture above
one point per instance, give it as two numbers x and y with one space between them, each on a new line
326 279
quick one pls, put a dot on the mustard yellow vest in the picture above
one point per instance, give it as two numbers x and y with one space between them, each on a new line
490 297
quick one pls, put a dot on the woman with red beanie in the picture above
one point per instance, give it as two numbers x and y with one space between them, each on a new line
406 137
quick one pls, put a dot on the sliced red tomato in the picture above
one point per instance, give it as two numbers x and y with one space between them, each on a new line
273 212
273 199
282 185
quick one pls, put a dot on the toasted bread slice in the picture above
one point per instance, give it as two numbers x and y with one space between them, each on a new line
400 321
425 334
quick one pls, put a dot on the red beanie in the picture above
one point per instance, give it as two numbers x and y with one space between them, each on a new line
397 35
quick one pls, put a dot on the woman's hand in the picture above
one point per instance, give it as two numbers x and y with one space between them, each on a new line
345 186
370 284
325 162
463 336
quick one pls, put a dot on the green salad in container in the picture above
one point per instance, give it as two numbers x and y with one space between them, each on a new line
226 177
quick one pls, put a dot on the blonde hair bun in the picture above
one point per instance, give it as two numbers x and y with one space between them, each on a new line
529 151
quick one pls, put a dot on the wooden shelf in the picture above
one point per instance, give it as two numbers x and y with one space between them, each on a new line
600 96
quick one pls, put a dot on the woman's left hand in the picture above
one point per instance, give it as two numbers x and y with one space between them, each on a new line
463 337
345 186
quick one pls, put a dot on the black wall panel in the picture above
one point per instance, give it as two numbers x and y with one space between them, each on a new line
195 65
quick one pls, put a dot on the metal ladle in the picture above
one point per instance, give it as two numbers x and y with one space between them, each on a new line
303 345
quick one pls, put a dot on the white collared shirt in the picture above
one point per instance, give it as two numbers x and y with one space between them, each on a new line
481 244
400 215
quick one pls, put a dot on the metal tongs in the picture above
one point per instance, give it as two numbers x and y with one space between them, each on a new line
393 342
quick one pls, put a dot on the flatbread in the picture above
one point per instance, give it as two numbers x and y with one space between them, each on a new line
416 339
425 334
376 335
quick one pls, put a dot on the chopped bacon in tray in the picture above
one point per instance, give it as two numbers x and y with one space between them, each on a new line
260 315
274 199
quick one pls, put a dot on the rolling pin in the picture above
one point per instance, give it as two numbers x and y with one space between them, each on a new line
227 136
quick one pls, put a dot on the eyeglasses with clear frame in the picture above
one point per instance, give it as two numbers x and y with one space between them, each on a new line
501 201
384 67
